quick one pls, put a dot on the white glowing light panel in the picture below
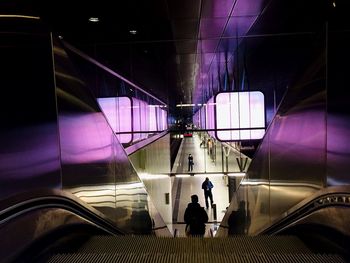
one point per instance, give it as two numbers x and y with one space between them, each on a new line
118 113
135 117
210 118
242 111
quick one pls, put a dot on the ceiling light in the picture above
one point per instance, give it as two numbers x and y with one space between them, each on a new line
133 32
94 19
334 5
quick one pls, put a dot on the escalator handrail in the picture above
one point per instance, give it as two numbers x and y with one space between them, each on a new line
16 206
327 197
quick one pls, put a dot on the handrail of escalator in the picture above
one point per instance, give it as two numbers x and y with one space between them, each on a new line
327 197
16 206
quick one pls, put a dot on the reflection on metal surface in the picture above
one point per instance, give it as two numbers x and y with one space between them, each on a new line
37 224
95 166
290 163
29 155
316 210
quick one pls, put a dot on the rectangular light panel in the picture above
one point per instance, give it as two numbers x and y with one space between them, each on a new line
241 111
118 113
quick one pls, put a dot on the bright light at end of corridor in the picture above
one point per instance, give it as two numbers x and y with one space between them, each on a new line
208 175
182 175
236 174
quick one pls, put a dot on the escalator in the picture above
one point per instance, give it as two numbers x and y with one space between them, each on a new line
56 228
152 249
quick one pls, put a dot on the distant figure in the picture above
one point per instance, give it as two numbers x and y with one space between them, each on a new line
209 146
195 218
202 143
207 186
190 162
238 220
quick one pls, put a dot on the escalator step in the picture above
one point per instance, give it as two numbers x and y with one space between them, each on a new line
193 258
238 244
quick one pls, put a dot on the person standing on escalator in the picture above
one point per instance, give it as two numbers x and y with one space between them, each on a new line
195 218
190 163
207 185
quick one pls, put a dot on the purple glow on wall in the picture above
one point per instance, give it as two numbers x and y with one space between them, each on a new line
152 118
210 122
82 139
144 115
240 110
136 118
118 113
36 147
161 119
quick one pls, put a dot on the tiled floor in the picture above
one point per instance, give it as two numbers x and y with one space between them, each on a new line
187 184
202 161
192 185
182 184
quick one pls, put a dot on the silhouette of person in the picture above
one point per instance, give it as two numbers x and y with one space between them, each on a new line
207 186
190 162
238 220
195 217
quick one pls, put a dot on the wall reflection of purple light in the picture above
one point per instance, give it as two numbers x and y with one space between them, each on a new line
83 140
35 152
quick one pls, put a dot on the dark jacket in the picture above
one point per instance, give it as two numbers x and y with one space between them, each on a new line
195 218
207 186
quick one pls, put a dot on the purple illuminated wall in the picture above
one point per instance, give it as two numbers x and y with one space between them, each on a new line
241 111
134 116
141 119
210 122
196 119
161 119
118 114
152 118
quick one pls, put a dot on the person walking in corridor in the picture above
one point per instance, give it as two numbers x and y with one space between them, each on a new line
195 218
207 186
190 162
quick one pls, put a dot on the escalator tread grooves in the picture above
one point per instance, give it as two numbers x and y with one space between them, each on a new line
199 257
259 244
155 249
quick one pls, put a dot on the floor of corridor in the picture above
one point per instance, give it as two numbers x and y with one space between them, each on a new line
187 183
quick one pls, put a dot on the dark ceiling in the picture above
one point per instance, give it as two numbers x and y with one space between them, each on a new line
185 50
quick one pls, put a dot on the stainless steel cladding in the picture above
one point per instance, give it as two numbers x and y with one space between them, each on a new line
56 137
29 148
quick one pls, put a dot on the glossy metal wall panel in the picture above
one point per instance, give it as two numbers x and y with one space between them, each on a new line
29 149
159 188
152 163
95 166
338 119
290 163
154 158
